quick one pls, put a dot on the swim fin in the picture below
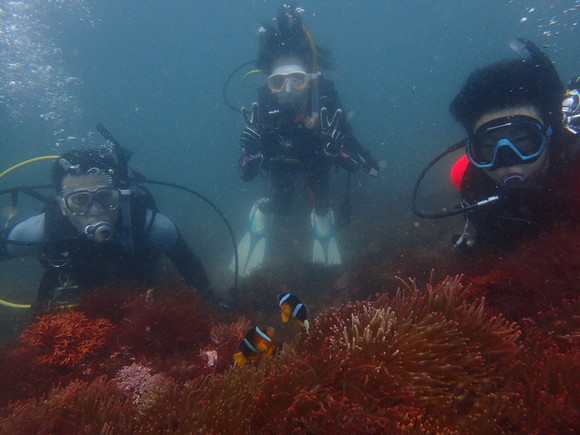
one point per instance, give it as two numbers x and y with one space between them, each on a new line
325 249
252 246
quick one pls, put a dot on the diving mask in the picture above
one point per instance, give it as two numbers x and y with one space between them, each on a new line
508 141
288 78
79 202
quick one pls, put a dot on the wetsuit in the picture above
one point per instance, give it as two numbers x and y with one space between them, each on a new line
75 264
291 142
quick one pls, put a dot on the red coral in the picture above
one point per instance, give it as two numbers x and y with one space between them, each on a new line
65 339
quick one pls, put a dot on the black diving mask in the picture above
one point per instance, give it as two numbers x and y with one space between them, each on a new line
508 141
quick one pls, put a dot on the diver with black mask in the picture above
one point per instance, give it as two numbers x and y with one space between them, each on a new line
99 230
520 172
297 126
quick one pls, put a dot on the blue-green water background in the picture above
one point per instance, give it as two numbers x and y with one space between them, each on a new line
152 72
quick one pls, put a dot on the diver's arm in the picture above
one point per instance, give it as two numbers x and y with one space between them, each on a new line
164 236
24 239
352 154
190 267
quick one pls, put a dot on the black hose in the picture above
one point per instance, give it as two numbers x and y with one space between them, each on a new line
432 163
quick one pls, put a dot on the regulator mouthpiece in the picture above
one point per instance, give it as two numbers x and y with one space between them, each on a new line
512 180
100 232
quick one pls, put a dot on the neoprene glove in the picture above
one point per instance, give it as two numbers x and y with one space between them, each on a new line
331 132
250 141
250 138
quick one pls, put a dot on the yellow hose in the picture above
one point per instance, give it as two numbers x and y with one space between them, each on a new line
13 305
248 74
19 165
7 171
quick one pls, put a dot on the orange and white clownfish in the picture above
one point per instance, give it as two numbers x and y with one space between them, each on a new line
258 342
292 308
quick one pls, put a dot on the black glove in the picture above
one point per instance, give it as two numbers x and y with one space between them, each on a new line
251 138
251 158
331 132
249 166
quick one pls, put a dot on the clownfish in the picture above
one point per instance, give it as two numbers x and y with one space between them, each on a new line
292 308
258 342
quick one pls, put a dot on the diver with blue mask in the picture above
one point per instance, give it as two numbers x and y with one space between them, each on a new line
297 126
519 174
99 230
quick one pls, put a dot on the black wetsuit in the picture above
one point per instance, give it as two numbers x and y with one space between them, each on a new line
290 144
75 264
525 210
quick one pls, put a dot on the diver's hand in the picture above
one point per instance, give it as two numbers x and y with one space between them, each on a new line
370 166
463 243
250 138
331 131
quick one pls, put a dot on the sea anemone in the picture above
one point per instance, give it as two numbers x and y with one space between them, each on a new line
66 339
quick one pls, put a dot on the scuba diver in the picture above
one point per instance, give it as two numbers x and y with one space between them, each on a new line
297 126
520 172
100 229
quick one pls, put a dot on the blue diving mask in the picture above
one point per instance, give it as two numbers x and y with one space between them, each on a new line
508 141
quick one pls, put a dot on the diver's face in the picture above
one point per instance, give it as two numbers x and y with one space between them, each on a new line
88 199
524 171
289 81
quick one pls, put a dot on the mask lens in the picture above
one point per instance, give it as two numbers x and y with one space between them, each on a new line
276 82
482 150
527 139
79 202
108 197
298 81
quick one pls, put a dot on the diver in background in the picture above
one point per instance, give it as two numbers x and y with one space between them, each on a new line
571 110
521 162
297 126
99 231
